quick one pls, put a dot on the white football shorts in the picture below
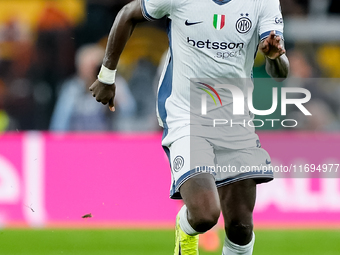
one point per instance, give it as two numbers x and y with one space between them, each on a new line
191 155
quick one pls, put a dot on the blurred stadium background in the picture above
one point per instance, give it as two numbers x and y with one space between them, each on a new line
63 156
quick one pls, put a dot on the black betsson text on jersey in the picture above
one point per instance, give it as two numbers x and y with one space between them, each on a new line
215 45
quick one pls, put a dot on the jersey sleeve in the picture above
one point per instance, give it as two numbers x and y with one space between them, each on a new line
270 19
156 9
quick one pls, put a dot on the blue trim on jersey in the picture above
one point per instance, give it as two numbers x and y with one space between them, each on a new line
221 2
145 12
165 133
252 71
256 50
266 34
166 86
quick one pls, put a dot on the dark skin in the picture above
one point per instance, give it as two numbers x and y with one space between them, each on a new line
277 64
237 203
122 28
204 201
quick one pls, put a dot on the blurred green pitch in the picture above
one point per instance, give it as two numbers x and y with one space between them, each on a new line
132 242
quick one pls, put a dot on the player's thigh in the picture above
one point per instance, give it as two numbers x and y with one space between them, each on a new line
191 159
237 201
200 195
237 185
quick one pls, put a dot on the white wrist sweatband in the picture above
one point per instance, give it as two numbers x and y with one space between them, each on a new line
106 75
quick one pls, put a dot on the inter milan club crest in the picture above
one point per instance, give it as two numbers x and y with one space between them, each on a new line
178 163
244 24
219 21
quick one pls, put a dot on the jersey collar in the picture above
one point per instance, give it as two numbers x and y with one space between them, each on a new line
221 2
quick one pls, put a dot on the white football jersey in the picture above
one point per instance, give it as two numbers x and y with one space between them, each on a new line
208 39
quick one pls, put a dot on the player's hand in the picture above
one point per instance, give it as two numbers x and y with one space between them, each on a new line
104 93
272 47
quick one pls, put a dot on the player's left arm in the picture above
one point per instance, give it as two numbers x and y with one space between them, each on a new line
277 63
271 26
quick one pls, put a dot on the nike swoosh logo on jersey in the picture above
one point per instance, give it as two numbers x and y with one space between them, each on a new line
187 23
268 162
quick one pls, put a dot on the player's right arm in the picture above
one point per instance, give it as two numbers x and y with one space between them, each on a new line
123 26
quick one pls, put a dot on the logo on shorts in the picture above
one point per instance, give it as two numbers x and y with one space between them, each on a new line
244 24
178 163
